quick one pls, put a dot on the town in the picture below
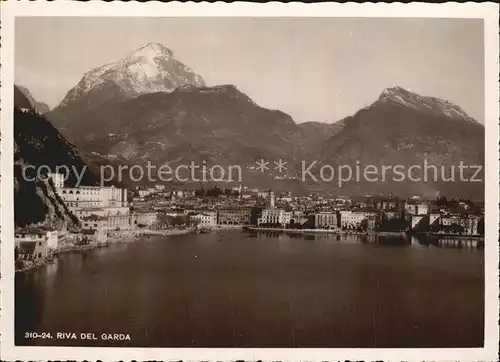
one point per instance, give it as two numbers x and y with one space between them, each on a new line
109 214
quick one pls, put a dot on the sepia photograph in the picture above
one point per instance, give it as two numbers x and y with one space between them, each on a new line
228 182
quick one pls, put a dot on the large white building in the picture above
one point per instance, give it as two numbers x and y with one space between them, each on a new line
45 237
275 216
89 196
323 220
93 196
107 202
144 218
469 223
352 219
205 219
101 211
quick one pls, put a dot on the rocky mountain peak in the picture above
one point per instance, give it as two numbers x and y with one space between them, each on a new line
403 97
393 92
23 98
148 69
152 50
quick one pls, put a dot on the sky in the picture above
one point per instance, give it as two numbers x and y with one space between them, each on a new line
315 69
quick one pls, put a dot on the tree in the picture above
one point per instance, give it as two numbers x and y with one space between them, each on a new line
19 264
442 201
456 229
436 227
178 220
480 226
363 225
310 223
255 214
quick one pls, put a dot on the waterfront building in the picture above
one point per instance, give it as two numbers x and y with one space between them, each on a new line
467 224
89 196
43 236
275 216
234 216
144 218
92 236
205 219
63 236
120 222
104 224
353 219
95 222
32 251
93 196
90 202
325 220
101 211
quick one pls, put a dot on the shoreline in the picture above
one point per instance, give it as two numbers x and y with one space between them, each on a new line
128 236
325 231
159 232
115 237
381 233
63 250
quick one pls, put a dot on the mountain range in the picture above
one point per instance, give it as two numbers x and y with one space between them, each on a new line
149 106
26 100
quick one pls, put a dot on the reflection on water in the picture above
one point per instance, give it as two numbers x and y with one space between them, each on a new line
266 289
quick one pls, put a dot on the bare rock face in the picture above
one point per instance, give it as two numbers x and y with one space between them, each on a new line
404 128
37 142
149 69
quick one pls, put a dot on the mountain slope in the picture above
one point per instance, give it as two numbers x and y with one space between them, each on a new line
218 124
37 143
314 134
403 128
40 107
148 106
149 69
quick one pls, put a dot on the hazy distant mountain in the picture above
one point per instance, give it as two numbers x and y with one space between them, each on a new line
314 134
404 128
30 101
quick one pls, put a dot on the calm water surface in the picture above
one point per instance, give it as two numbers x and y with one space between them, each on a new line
240 289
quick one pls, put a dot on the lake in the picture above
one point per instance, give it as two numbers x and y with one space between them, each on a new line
247 289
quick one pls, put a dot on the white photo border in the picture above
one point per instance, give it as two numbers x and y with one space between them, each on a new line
487 11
